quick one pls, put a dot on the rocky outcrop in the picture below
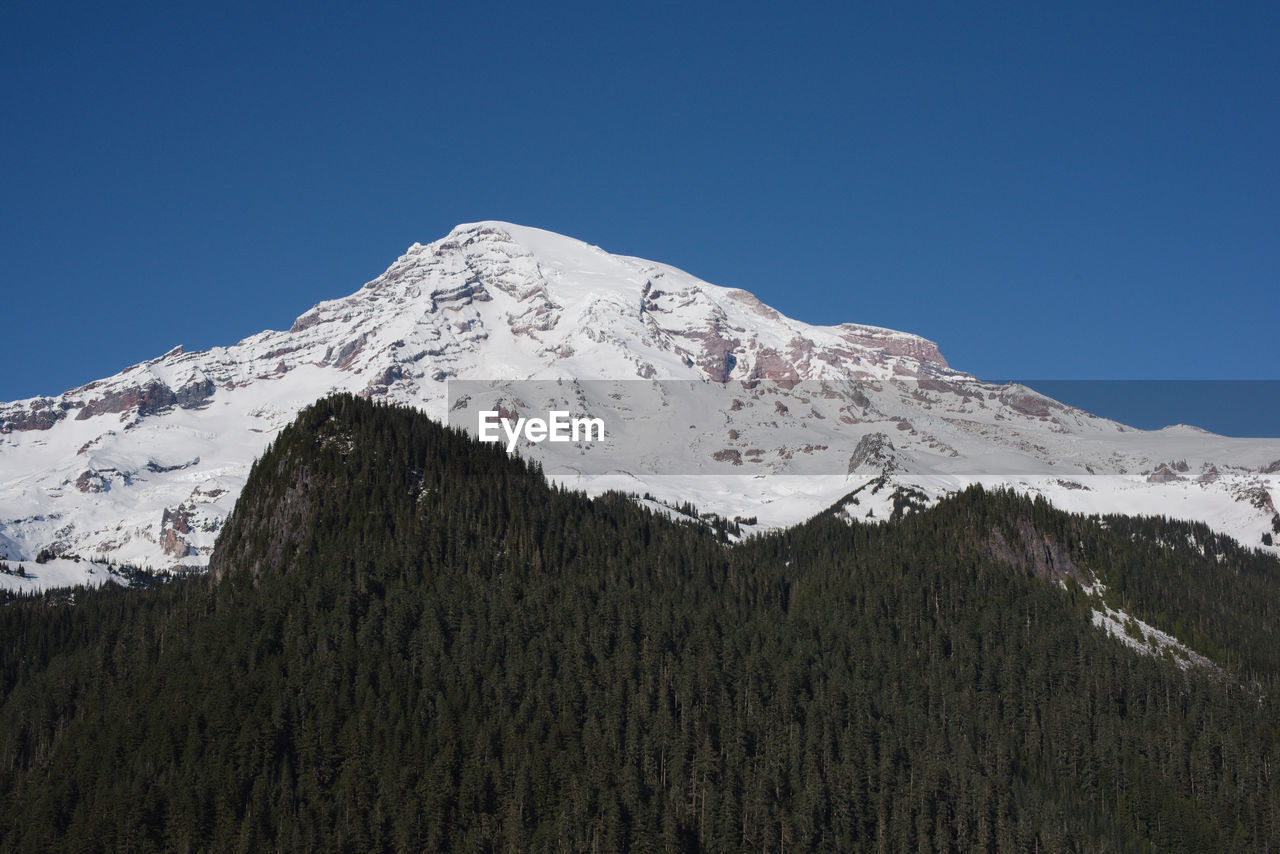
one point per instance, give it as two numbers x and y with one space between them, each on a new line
772 367
194 394
383 381
92 481
307 321
159 468
174 524
752 301
471 291
715 354
173 545
892 343
178 519
927 383
146 399
874 454
347 352
38 415
1035 552
1024 400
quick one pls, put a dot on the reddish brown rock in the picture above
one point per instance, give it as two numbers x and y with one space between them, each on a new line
1026 401
927 383
347 352
173 544
389 376
893 343
717 357
179 520
307 321
40 415
173 525
750 300
728 455
145 400
772 367
91 481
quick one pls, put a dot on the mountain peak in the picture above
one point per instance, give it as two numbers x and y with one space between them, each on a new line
144 466
526 240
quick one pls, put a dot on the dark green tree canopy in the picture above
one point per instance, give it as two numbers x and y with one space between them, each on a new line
410 642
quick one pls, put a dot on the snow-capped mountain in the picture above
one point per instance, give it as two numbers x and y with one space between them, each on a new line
144 466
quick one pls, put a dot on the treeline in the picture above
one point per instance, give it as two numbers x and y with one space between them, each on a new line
413 643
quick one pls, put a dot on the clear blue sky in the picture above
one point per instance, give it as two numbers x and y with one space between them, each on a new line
1085 191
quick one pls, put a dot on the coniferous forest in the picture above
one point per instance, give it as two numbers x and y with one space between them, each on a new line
409 642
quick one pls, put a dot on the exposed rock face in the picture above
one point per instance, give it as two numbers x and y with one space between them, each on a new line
347 352
892 343
1035 552
772 367
173 545
159 468
175 524
728 455
92 481
1262 499
145 400
179 520
306 321
388 377
715 356
927 383
1028 402
39 415
472 291
1163 474
874 454
194 394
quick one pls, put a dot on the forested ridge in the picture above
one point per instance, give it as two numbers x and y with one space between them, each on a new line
410 642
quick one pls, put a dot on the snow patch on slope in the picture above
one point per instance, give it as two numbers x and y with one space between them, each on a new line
1142 637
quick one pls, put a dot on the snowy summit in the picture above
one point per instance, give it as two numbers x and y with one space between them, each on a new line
144 466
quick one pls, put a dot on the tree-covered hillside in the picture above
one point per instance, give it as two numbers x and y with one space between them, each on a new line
411 643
